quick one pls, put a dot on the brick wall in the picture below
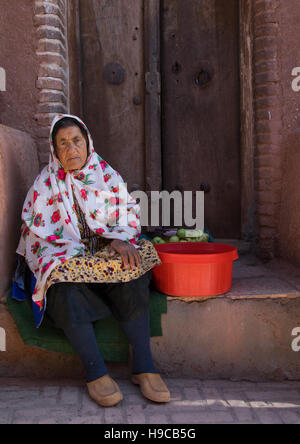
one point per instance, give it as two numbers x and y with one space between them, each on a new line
268 125
289 227
50 18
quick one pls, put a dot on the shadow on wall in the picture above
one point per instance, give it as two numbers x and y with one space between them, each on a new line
19 167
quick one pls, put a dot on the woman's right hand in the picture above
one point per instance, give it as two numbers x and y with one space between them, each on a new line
129 254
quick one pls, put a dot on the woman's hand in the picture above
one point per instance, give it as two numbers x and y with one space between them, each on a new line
129 254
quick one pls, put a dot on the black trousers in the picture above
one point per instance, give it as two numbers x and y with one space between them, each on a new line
70 304
73 307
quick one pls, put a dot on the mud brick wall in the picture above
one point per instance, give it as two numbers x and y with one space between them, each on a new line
277 128
19 167
50 19
289 226
268 125
18 60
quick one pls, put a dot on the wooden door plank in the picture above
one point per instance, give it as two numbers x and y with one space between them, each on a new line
153 172
112 32
200 106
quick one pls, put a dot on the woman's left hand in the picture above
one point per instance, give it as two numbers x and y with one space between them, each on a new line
129 254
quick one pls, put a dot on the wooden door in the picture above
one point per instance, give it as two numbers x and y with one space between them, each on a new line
161 97
113 82
200 106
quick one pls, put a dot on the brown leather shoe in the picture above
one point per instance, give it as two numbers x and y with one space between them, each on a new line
152 386
105 391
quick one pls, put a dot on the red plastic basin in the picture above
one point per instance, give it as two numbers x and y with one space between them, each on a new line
193 269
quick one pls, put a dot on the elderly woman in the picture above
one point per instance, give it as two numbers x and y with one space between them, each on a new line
87 258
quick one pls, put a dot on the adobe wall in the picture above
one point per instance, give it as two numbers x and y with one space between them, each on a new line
277 157
18 168
39 50
289 226
52 79
19 59
268 125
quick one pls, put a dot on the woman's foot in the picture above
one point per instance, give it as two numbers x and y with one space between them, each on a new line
105 391
152 386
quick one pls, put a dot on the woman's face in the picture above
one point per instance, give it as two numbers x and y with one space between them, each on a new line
71 148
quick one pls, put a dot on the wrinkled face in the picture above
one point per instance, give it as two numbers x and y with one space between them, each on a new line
71 148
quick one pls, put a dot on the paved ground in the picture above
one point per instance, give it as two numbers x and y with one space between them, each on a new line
192 402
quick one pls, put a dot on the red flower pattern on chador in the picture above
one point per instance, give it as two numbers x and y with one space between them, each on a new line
83 194
61 174
55 216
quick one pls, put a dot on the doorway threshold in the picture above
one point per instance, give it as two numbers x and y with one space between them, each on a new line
242 246
252 278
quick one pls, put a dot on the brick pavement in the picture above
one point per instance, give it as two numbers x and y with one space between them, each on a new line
192 402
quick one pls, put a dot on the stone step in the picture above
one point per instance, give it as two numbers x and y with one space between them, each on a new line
247 334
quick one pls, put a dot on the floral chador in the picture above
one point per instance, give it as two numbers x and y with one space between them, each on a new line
70 217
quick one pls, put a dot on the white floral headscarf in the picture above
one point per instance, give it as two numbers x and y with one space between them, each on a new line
50 232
